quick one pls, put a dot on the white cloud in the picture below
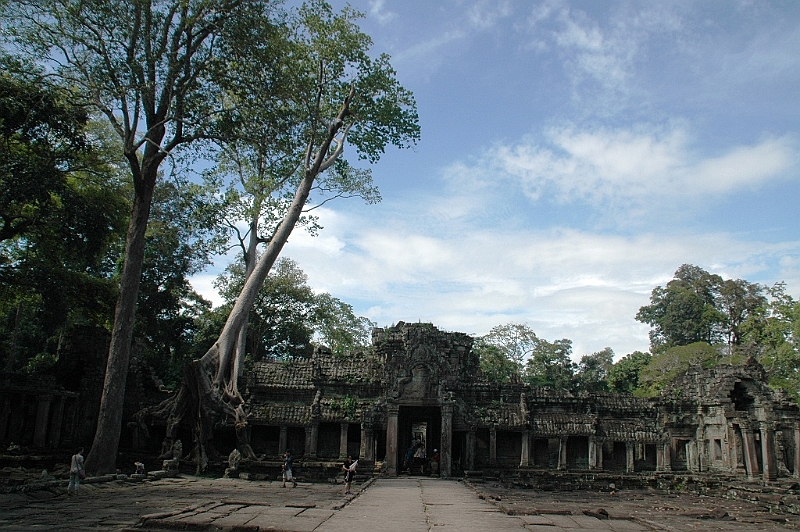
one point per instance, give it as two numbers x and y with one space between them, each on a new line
485 14
633 165
565 283
377 9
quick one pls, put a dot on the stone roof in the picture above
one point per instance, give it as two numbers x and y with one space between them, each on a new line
295 374
638 429
283 413
563 424
354 368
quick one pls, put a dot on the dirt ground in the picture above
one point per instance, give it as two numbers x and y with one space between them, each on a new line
668 511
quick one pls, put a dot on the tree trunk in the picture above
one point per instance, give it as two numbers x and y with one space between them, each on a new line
212 383
102 458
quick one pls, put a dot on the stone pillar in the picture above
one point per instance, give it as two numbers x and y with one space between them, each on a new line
750 456
629 457
392 412
446 452
768 453
668 456
599 447
283 439
562 454
367 443
308 442
472 442
344 426
493 445
525 459
796 470
733 463
313 440
42 420
592 453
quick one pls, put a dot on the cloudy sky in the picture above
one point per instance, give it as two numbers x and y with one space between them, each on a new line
574 154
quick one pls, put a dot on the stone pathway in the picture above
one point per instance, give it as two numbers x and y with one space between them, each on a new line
387 504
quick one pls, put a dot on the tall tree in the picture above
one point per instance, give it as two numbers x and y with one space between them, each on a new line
623 376
737 301
495 364
592 371
345 97
550 364
684 311
150 67
516 341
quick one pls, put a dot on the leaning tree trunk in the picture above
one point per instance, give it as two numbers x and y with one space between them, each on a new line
210 389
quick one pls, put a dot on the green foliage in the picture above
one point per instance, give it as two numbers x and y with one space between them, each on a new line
495 365
669 363
336 326
287 316
61 219
623 377
592 372
347 405
697 306
550 364
517 341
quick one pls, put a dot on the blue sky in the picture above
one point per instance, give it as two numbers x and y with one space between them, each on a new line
574 154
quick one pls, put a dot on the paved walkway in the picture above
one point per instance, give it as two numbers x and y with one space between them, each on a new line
424 505
386 504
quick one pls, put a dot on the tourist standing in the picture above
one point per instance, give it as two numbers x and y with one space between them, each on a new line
76 472
288 464
349 468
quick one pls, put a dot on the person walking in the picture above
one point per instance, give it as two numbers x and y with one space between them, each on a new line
288 464
76 472
349 467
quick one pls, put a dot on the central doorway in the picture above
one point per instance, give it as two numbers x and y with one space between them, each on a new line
418 425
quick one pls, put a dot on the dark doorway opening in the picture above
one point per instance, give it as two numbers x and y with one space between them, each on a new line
418 423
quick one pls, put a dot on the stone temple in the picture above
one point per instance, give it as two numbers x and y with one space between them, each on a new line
420 384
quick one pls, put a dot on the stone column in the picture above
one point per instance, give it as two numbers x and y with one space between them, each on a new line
308 442
599 447
367 443
313 440
750 457
283 439
392 412
344 426
796 470
42 420
768 453
472 442
592 453
493 445
562 454
446 452
525 459
733 463
629 457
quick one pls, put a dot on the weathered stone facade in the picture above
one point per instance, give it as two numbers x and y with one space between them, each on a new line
417 382
420 382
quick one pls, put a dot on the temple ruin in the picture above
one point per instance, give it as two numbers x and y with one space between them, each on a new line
418 383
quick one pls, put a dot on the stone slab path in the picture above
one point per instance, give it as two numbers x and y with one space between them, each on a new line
406 504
